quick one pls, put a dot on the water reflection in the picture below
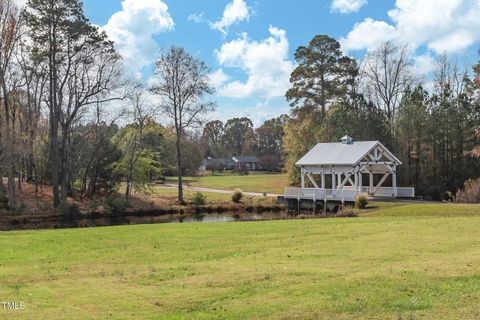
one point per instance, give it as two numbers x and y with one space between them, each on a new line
227 218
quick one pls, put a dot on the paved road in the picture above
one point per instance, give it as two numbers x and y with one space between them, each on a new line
202 189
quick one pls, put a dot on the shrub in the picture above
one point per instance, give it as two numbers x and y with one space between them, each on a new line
68 209
92 206
361 201
346 212
215 165
77 185
241 170
199 199
116 205
470 192
237 196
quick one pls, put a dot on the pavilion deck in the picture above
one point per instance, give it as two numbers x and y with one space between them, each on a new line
345 194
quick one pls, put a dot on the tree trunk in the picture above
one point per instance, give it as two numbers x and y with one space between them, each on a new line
55 158
128 189
179 168
10 159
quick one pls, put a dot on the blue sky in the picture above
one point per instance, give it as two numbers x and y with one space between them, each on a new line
249 44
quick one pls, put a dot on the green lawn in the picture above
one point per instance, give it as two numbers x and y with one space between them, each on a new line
211 197
254 182
406 262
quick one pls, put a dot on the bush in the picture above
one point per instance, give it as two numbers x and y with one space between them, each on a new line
241 170
470 192
215 165
361 201
116 205
199 199
92 206
68 209
346 212
237 196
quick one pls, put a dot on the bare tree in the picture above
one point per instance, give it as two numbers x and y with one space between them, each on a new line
9 35
449 77
82 69
387 76
182 83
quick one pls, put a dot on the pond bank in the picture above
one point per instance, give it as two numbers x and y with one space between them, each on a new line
154 216
165 215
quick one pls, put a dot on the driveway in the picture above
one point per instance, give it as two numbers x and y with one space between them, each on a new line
203 189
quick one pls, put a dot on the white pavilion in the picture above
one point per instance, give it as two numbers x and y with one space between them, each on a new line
340 171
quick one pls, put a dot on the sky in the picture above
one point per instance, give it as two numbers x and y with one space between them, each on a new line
249 45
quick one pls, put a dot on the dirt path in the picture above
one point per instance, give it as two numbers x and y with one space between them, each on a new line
203 189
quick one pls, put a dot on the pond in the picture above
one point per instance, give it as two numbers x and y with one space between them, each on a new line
227 217
55 221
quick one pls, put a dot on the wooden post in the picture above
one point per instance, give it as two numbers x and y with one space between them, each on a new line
334 186
394 181
360 183
339 179
371 183
323 180
356 181
302 178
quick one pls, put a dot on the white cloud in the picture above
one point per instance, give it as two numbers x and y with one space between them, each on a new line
218 78
265 62
196 17
441 25
235 12
347 6
454 42
368 34
423 64
133 30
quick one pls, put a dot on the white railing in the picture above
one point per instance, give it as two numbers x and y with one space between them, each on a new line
388 191
321 194
406 192
346 194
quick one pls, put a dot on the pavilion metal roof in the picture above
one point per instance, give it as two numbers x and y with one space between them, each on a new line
338 153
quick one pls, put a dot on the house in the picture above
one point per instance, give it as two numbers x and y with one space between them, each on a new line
251 163
339 171
228 163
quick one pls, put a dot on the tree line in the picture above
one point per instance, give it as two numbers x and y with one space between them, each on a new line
71 118
237 136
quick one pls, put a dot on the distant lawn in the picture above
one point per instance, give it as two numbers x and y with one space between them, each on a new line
170 194
254 182
407 262
392 209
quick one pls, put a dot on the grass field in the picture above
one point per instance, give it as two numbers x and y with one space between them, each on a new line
170 195
405 262
254 182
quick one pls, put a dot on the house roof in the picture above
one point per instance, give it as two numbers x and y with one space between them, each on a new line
338 153
227 161
245 159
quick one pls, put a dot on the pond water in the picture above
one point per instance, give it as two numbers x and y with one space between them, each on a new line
209 218
66 222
